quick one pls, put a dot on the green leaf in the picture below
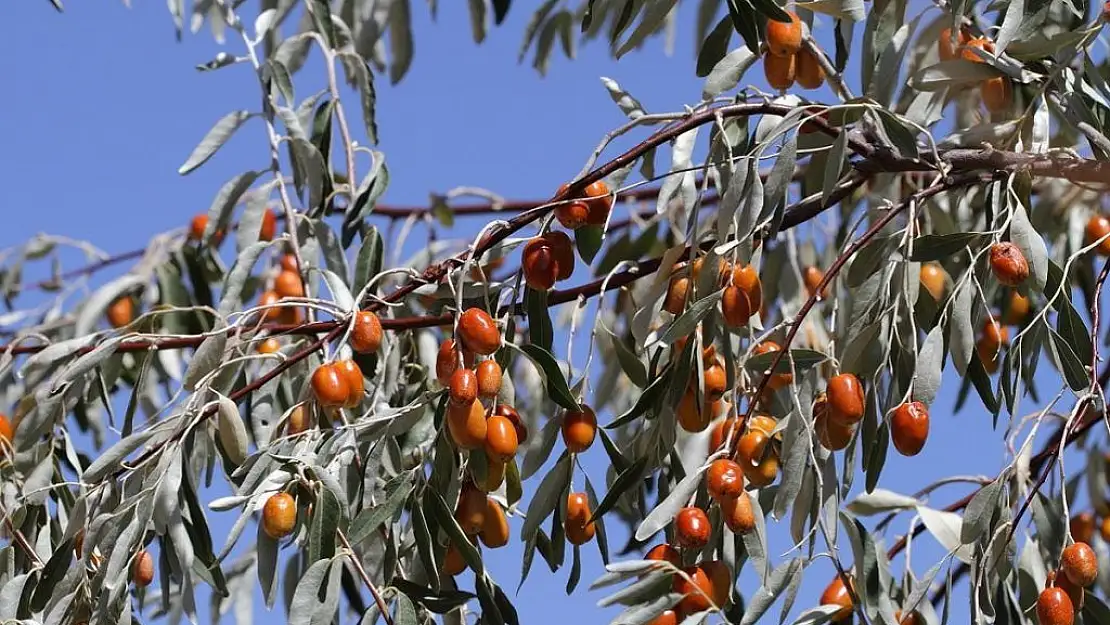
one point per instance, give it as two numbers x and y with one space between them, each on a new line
1073 330
625 482
406 612
554 381
114 455
803 359
771 589
546 497
326 517
397 491
540 330
631 364
1073 369
942 246
714 48
214 140
952 73
648 400
980 510
686 322
588 241
370 258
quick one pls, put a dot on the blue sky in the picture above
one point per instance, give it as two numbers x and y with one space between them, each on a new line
104 105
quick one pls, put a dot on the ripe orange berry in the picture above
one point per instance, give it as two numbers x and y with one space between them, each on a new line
330 386
725 429
691 416
913 618
750 449
269 226
846 399
809 73
833 436
541 269
289 284
696 589
720 579
356 384
1075 592
489 378
7 432
1098 226
736 308
722 270
495 530
747 278
995 334
572 214
778 380
998 94
366 334
563 248
470 511
463 387
578 530
142 569
495 476
675 300
836 593
279 515
298 421
692 528
1008 264
981 43
479 332
668 617
665 553
909 427
600 202
579 429
988 354
1017 308
1054 607
1080 564
738 514
447 361
269 346
716 381
1104 529
266 301
510 413
812 276
932 278
946 47
501 441
784 38
1082 527
764 473
780 71
467 424
197 227
453 562
724 479
121 311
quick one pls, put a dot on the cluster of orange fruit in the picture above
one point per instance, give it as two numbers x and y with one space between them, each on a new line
742 297
549 257
340 384
1065 587
266 231
785 60
481 517
998 92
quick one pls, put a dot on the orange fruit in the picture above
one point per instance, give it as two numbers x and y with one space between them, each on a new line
846 399
121 311
780 71
269 346
489 378
510 413
1008 264
356 384
981 43
675 300
724 479
453 562
501 440
1054 607
470 511
266 301
836 593
998 94
696 589
467 424
1098 226
946 47
495 529
932 278
909 427
197 227
479 332
600 203
736 308
142 569
738 514
747 279
330 386
778 380
541 269
1080 564
366 334
289 284
298 421
269 226
784 38
812 277
809 73
579 429
279 515
665 553
833 436
578 527
692 528
463 387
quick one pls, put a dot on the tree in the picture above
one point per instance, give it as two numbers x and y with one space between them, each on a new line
376 426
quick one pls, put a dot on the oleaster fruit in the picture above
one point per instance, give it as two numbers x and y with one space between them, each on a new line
1008 264
579 429
478 332
578 525
909 427
279 515
692 528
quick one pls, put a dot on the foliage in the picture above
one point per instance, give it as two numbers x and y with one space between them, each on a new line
916 185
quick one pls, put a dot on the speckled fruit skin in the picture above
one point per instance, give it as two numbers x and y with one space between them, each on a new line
909 427
479 332
579 429
489 378
836 593
1008 264
366 335
1079 562
692 528
724 479
510 413
738 514
1082 527
501 440
463 387
784 38
1055 608
447 361
279 515
846 399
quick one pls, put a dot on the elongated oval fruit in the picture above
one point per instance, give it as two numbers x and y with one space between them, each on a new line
366 334
779 71
1080 564
579 429
692 528
1008 264
909 427
836 593
738 514
330 386
541 269
1054 607
846 399
470 512
784 38
356 384
142 569
463 387
467 424
577 525
479 332
501 439
232 431
489 378
495 528
1098 226
279 515
724 479
121 311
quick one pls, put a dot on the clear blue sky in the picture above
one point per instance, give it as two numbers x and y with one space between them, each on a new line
103 106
